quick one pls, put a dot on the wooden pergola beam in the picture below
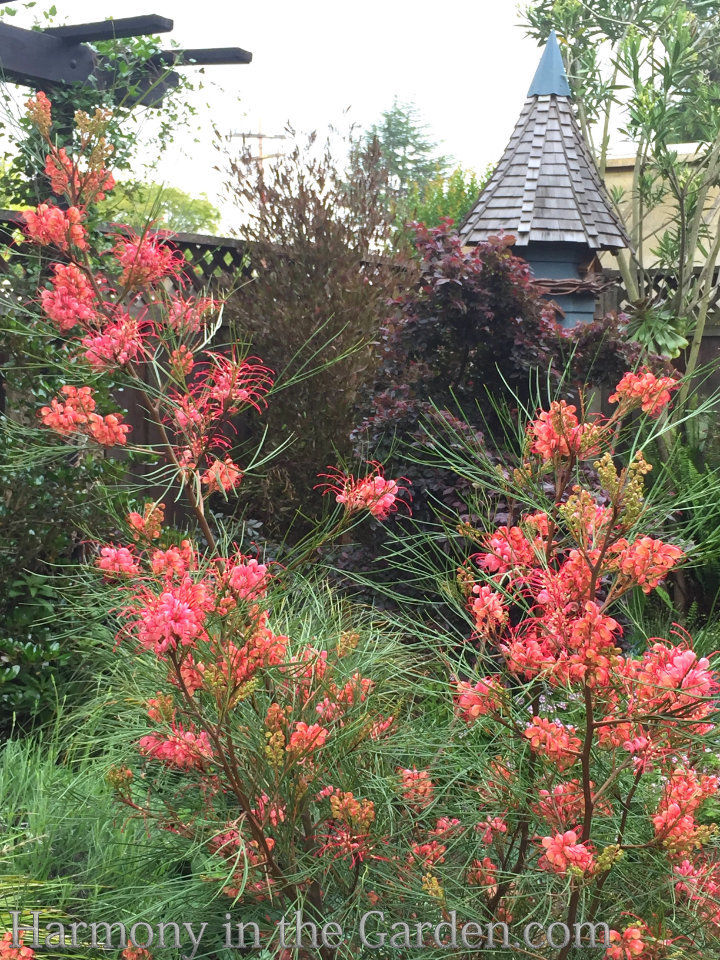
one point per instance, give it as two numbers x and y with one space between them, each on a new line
215 56
59 56
119 29
35 58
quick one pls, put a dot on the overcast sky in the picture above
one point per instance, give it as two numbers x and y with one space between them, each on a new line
466 65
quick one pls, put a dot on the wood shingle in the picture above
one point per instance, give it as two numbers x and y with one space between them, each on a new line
546 186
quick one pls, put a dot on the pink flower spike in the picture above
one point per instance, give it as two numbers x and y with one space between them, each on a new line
650 393
48 226
222 475
373 492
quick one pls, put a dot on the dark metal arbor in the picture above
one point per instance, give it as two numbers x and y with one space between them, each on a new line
59 56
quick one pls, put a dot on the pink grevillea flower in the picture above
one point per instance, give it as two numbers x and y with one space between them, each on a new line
9 952
50 226
188 316
148 525
562 850
490 828
222 475
118 560
488 609
483 873
109 431
373 492
74 413
479 699
562 807
181 362
429 854
191 675
674 820
66 179
72 298
557 433
306 739
174 618
381 728
554 741
175 561
262 649
135 953
508 547
646 561
671 677
269 811
700 883
627 945
234 384
180 748
247 578
66 416
650 393
417 787
146 260
116 345
344 842
39 111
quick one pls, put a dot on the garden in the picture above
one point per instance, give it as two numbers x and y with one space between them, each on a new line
352 604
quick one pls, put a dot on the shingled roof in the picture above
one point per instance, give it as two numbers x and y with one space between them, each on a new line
546 186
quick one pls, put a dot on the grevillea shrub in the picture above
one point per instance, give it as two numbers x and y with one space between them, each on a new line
533 770
472 335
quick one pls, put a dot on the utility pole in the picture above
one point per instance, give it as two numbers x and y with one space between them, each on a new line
260 137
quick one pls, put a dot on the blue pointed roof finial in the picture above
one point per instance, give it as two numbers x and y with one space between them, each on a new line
550 76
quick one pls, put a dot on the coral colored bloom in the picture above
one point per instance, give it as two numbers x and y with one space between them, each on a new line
488 608
173 618
417 787
73 412
305 739
479 699
554 741
372 493
108 430
188 316
646 561
117 560
490 828
146 260
675 678
508 547
626 945
72 298
222 475
181 362
9 952
135 953
483 873
650 393
429 854
234 384
557 433
50 226
148 525
66 179
175 561
247 578
116 345
181 748
562 850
